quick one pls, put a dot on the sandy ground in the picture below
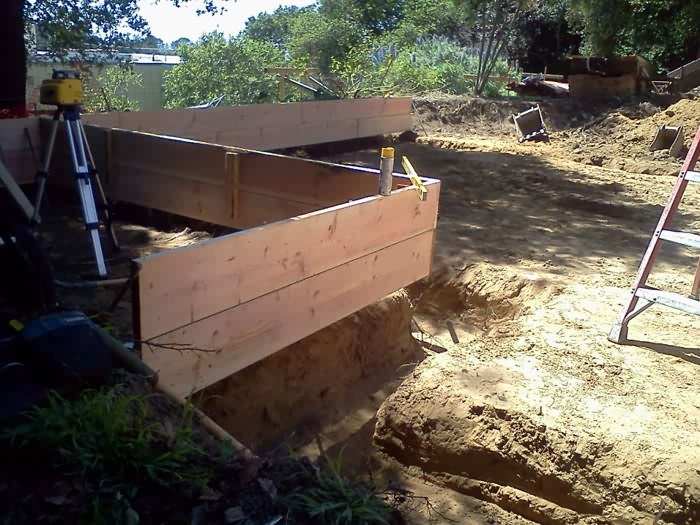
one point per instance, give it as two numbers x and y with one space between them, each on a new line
533 416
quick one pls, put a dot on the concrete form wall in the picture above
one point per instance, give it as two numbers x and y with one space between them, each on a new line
271 126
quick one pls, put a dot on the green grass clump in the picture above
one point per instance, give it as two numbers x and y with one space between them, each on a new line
107 435
326 497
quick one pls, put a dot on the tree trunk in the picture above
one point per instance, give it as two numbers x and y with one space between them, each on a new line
14 77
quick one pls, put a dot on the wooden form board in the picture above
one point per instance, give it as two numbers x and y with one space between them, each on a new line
15 150
245 296
224 185
271 126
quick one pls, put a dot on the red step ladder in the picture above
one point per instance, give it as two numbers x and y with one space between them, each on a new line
643 296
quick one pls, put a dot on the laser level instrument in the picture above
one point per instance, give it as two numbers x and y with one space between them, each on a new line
65 91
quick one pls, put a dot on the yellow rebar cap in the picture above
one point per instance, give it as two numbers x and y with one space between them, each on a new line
388 153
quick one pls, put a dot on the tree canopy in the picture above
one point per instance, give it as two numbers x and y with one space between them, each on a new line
345 39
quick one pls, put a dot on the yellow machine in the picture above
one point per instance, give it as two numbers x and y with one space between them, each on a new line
64 88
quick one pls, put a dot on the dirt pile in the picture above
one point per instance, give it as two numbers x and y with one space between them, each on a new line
613 135
533 413
471 302
621 140
464 114
525 416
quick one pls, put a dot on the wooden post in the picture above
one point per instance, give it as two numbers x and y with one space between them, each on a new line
695 290
386 168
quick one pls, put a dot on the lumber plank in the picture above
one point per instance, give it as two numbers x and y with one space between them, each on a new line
158 189
318 133
257 209
230 270
245 334
302 179
181 158
368 127
266 126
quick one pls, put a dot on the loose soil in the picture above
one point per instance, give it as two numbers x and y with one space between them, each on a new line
523 409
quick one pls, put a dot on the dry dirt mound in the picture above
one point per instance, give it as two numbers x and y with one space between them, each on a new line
526 417
622 139
457 422
613 135
495 116
476 300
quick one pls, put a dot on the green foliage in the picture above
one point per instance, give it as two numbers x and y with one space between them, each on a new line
275 27
377 16
80 25
106 436
326 497
317 40
663 31
215 67
110 90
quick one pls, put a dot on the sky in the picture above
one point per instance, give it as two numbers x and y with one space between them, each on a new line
169 23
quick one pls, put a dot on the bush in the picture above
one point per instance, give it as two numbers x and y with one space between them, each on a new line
215 67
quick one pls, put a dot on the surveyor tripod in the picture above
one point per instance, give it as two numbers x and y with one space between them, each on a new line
86 177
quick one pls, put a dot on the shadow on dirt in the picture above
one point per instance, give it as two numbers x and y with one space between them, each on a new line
507 209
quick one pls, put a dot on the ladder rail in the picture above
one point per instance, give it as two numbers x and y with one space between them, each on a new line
619 330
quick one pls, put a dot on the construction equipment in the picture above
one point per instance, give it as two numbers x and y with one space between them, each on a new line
530 125
670 138
64 90
643 296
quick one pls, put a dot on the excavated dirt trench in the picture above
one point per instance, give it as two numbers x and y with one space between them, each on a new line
523 412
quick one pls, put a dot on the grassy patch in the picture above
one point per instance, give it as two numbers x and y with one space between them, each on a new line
107 435
326 497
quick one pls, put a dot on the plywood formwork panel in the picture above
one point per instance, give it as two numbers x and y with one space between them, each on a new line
240 336
199 180
271 126
299 179
214 275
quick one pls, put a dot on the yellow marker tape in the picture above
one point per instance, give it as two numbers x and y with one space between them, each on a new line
16 325
388 153
415 179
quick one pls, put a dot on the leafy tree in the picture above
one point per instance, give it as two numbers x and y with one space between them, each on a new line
177 43
215 67
68 24
544 35
495 22
664 31
317 40
377 16
275 27
110 90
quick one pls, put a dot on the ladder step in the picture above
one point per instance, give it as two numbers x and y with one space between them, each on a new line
670 299
692 176
687 239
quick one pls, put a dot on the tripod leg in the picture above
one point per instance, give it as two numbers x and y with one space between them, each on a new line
103 204
43 172
87 197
